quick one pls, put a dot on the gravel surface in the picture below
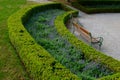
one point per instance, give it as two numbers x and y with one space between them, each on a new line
106 25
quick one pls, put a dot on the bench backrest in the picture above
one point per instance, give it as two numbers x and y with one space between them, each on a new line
80 27
83 31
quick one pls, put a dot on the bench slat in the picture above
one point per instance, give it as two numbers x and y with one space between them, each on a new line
79 27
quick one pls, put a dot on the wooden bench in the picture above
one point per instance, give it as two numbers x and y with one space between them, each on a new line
87 35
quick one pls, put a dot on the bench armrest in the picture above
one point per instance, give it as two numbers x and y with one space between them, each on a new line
98 40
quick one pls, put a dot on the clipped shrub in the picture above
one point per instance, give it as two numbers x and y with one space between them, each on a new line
113 77
97 6
37 61
42 29
89 52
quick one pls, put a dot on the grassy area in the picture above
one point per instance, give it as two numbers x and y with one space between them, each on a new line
11 67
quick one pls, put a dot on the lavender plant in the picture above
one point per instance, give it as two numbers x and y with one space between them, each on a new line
41 27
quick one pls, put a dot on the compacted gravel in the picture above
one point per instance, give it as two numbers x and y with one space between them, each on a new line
106 25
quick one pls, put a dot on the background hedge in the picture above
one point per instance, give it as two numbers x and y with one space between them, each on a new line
89 52
37 61
97 6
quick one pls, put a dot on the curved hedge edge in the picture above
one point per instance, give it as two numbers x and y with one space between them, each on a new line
37 61
89 52
111 77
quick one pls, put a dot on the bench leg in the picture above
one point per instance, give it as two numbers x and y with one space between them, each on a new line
99 47
91 44
99 44
73 29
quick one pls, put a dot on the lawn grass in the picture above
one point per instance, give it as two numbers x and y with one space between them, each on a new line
11 67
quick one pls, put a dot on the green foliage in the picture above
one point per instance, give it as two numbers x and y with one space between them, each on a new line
47 36
98 2
97 6
38 62
11 67
111 77
89 52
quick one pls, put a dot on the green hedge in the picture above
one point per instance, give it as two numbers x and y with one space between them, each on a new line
98 2
89 52
37 61
97 6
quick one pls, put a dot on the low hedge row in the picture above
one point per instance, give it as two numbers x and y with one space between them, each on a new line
89 8
89 52
99 2
37 61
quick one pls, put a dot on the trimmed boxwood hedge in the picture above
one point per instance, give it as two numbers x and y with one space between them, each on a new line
37 61
89 52
42 29
97 6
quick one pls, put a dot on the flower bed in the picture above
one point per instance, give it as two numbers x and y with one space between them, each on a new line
41 27
38 62
89 52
